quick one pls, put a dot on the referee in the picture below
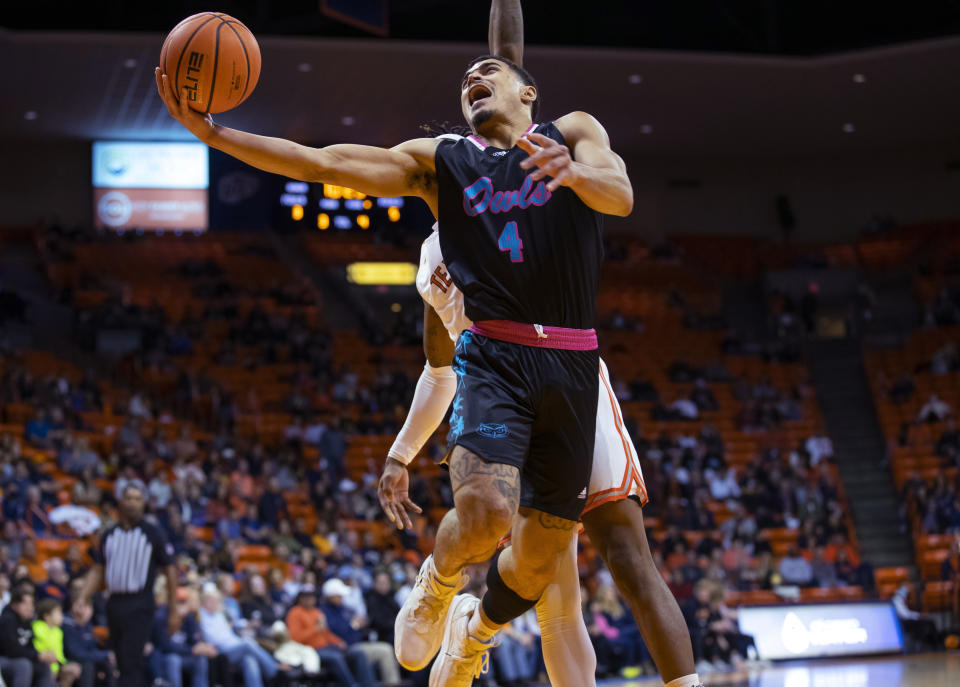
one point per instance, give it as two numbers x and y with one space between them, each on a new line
128 558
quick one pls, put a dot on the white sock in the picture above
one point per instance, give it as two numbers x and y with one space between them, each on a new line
691 680
478 629
445 580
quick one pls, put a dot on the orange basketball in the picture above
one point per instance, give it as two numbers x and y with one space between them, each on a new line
215 58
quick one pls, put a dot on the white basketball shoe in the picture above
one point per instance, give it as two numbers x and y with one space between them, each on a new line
418 630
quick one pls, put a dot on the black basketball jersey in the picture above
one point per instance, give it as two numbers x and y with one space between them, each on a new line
517 251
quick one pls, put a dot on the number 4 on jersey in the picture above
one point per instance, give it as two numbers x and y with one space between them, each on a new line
510 241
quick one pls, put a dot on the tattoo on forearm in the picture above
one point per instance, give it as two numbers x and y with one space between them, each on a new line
552 522
504 478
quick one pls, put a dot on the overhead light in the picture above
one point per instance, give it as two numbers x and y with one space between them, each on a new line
396 307
129 63
859 78
849 128
30 115
305 67
646 129
382 273
348 121
635 79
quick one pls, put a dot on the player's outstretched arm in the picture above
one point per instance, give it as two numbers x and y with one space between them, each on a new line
406 170
505 34
586 164
435 391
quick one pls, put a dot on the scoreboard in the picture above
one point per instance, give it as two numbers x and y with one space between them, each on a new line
326 207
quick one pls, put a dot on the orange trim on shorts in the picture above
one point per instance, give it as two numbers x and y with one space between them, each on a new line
631 474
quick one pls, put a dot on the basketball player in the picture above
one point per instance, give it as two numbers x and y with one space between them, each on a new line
525 253
614 523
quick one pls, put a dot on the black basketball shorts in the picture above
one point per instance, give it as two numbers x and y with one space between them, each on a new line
533 408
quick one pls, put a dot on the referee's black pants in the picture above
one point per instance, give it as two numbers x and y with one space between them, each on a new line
130 620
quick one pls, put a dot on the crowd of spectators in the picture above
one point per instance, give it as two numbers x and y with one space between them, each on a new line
327 591
235 490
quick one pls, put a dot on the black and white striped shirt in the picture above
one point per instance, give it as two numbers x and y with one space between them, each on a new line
131 558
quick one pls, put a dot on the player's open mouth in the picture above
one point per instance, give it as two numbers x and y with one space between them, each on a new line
477 93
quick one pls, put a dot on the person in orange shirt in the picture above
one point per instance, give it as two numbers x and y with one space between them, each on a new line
29 558
837 542
308 625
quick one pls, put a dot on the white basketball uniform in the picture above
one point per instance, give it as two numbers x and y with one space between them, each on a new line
616 471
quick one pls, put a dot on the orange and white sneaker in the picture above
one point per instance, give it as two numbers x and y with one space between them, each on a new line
462 656
418 629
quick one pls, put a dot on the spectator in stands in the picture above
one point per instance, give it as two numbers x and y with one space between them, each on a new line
515 657
382 607
934 410
256 606
9 548
38 430
244 654
795 569
30 559
723 486
945 359
36 514
290 653
4 591
159 490
948 445
183 651
724 640
950 572
254 531
703 397
351 627
55 586
902 389
272 506
920 628
685 409
819 448
80 646
74 566
609 610
824 572
20 663
226 585
308 625
332 448
48 637
696 611
77 456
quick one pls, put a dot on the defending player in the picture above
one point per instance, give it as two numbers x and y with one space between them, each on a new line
526 255
614 523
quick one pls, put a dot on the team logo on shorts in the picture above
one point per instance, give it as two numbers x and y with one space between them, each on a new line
492 431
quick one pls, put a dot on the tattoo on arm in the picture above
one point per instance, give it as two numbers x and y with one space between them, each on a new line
422 180
552 522
466 466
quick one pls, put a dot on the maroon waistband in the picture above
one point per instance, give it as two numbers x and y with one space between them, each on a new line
537 336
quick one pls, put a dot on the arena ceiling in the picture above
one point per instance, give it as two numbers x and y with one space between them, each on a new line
87 86
770 27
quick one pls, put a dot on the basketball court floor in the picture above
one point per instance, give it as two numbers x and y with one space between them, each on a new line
926 670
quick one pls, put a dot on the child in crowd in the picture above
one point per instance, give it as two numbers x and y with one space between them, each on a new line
48 636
